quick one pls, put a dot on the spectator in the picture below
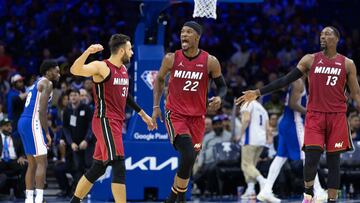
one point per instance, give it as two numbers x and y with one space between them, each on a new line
275 105
5 62
354 122
15 101
13 162
204 178
4 88
241 57
77 131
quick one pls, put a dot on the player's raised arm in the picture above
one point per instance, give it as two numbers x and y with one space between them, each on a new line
159 84
215 72
45 88
79 67
352 81
302 68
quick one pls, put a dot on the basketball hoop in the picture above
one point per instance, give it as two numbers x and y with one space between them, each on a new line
205 8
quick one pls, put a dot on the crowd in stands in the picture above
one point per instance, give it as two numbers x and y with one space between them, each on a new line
255 44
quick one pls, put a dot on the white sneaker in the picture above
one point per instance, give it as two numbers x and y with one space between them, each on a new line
29 200
320 196
267 197
249 195
307 199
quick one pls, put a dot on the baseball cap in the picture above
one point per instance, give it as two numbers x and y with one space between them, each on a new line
16 78
4 121
217 119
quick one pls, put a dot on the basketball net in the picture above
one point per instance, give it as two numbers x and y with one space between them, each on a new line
205 8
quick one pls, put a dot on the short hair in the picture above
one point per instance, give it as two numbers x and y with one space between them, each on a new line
47 65
336 31
117 40
73 90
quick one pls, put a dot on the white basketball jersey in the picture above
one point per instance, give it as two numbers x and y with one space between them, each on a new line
255 133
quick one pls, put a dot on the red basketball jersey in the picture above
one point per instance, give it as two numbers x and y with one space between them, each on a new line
110 95
188 85
327 80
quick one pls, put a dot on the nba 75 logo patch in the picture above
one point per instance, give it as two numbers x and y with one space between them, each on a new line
149 77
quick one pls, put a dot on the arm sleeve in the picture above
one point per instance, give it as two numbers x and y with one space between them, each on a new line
221 86
281 82
131 102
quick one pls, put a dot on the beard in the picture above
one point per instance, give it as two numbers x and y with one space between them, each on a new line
125 59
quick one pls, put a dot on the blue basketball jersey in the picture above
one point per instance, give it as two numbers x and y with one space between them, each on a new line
290 113
291 129
29 126
32 103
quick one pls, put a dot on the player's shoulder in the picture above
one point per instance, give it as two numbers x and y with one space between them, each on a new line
310 56
169 56
99 63
168 60
348 60
212 57
248 106
44 83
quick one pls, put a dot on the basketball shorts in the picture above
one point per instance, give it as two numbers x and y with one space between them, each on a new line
291 137
109 143
177 124
32 136
328 131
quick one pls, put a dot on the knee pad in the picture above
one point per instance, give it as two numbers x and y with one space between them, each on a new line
311 163
184 145
96 170
118 171
333 163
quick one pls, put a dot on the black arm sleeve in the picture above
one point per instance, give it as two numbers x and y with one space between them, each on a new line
221 86
131 102
281 82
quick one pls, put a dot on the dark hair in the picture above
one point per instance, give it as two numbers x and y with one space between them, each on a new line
336 31
116 41
47 65
73 90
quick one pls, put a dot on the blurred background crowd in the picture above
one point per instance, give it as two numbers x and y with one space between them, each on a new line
255 44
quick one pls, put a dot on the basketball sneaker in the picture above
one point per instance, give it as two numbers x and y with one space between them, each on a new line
320 196
265 196
307 199
249 195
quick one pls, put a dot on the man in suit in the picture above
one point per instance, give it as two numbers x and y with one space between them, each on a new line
12 162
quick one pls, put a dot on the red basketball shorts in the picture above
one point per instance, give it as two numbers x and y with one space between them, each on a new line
177 124
328 131
109 144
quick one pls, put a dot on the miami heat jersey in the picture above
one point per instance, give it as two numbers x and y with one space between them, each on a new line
327 80
110 95
188 85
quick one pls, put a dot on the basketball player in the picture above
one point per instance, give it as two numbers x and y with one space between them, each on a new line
190 70
325 124
255 122
34 130
291 138
111 95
